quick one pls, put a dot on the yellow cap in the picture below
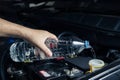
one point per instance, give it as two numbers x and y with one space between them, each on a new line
96 64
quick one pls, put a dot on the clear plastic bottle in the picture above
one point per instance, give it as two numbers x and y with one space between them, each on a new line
26 52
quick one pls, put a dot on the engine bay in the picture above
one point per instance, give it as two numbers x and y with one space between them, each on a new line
71 60
86 39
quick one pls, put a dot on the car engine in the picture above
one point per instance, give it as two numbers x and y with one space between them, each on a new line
73 59
87 47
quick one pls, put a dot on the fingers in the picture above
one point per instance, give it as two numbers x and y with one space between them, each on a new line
39 40
53 37
46 50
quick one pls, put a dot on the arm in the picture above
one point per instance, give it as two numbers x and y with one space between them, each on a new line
36 37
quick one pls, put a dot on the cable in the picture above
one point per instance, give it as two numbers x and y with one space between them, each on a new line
65 33
93 53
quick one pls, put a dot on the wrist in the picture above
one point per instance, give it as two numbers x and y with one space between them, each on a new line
26 33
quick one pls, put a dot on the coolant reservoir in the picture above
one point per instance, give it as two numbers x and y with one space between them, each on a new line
96 64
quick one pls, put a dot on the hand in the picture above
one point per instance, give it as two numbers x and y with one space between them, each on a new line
38 37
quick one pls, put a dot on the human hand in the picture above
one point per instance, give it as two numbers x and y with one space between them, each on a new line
38 38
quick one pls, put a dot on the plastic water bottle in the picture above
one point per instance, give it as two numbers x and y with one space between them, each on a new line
26 52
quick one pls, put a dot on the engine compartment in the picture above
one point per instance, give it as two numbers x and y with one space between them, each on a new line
70 67
104 41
